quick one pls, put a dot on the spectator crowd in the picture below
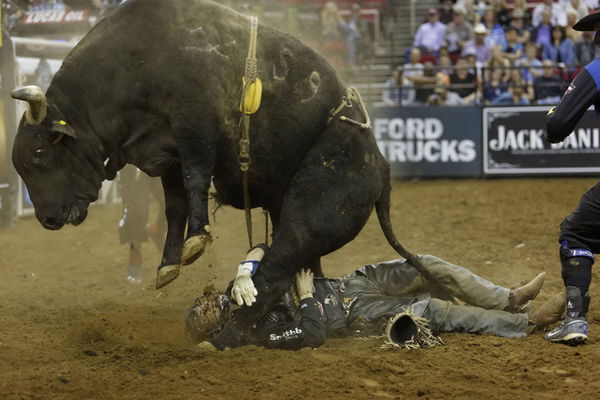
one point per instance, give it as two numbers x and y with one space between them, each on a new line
493 52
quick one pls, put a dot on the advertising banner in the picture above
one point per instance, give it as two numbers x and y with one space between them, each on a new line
514 144
53 22
429 141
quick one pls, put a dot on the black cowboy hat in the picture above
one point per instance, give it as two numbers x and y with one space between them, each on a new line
588 23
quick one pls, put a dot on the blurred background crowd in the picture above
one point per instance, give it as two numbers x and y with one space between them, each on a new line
401 52
493 53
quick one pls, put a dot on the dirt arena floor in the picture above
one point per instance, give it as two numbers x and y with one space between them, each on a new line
71 327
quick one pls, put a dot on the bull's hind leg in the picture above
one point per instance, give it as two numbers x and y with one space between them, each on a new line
326 205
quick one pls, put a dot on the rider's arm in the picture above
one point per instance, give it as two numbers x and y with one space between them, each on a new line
581 94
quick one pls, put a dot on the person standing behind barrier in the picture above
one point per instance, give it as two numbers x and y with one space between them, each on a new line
357 36
580 231
332 45
135 188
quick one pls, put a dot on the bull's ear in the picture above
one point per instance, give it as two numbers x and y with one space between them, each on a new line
62 128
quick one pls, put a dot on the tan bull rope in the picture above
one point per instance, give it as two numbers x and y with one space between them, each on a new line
250 78
352 94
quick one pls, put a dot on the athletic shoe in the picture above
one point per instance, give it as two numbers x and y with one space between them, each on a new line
572 331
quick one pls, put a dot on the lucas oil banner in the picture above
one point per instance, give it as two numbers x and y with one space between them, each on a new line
429 141
514 144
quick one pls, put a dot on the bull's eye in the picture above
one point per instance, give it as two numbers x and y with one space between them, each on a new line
37 156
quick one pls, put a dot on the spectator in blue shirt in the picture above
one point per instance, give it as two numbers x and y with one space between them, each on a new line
559 49
511 48
542 33
495 30
530 63
495 86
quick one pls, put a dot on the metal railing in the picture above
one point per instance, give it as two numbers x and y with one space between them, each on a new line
435 78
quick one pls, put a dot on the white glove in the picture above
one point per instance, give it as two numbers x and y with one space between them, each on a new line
243 287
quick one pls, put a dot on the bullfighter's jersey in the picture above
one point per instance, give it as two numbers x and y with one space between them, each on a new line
583 91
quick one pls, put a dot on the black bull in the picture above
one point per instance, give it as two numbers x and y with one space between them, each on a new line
157 85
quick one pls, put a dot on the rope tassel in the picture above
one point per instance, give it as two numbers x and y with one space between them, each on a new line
249 104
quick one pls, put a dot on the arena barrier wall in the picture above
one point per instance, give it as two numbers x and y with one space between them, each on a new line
429 141
514 145
442 142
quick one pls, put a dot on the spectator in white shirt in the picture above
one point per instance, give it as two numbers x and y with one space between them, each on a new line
413 68
398 90
559 16
579 7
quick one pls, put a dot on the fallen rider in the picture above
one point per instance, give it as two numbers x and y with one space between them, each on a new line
362 303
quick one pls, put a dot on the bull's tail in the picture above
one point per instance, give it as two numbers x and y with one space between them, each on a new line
382 207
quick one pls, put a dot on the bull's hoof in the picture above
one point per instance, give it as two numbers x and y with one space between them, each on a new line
194 247
166 275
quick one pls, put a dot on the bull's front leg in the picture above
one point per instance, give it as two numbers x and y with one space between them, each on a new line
196 146
176 211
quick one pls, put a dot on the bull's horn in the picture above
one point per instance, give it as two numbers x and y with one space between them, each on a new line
38 105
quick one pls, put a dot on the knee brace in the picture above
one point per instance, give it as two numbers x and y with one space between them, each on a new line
576 267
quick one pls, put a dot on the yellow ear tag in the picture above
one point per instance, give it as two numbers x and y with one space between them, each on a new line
251 102
61 122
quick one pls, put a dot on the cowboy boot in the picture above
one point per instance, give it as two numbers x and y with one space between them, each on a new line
519 297
547 314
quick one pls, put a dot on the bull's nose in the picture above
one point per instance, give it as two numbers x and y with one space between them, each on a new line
52 222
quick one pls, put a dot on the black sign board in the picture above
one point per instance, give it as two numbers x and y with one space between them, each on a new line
429 141
514 145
